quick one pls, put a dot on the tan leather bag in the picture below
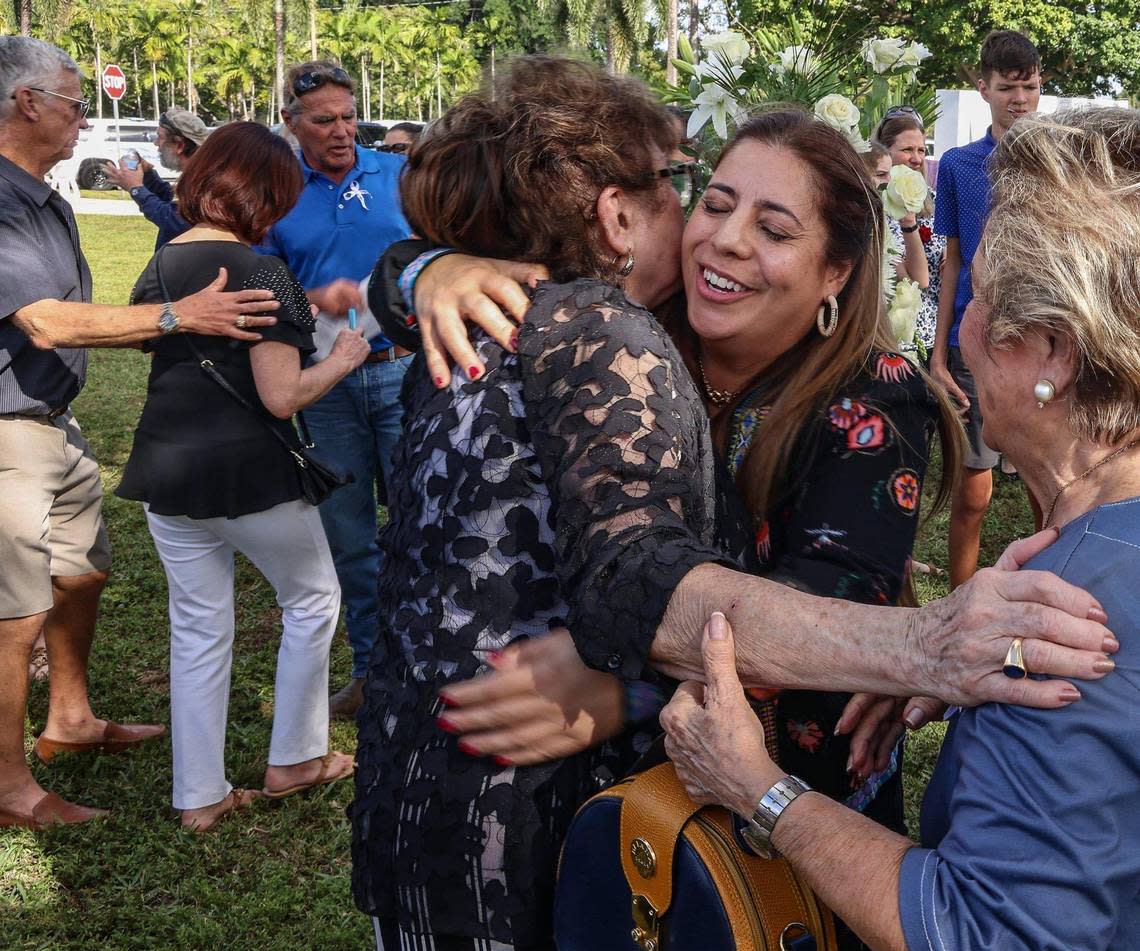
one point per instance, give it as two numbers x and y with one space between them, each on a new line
767 905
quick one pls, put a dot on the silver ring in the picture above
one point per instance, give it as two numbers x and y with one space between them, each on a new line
240 322
1014 664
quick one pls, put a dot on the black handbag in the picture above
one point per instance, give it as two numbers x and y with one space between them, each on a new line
318 475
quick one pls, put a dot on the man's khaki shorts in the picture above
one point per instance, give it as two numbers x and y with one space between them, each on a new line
51 524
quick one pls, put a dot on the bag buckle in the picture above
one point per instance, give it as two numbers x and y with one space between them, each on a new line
646 926
301 460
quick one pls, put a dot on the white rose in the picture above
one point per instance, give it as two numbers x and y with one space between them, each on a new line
731 45
839 112
913 55
905 193
795 59
883 54
903 314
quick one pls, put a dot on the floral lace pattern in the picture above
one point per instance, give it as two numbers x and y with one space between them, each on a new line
573 483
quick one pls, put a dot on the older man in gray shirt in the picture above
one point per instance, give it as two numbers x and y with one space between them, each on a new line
55 551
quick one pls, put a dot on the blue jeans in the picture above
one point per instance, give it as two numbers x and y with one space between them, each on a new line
358 423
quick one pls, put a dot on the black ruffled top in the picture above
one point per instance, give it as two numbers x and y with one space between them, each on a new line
198 452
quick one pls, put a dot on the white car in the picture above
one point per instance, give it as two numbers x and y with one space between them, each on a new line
98 145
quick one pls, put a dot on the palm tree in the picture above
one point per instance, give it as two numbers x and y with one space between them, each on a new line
621 26
153 25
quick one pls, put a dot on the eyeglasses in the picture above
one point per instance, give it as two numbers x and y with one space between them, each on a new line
897 112
307 82
398 147
83 106
683 178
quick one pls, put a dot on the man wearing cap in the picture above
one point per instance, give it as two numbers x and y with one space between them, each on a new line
54 554
180 132
348 212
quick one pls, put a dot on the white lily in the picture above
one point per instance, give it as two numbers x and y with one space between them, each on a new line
715 103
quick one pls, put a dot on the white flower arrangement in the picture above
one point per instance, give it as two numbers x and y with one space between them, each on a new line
731 46
841 113
905 193
795 59
885 54
903 313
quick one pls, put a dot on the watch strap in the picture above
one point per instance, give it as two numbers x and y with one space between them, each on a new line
758 830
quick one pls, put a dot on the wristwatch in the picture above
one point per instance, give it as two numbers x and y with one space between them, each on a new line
168 321
134 192
757 832
911 230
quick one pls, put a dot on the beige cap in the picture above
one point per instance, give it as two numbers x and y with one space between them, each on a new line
186 124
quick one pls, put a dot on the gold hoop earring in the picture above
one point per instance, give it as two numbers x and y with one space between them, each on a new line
627 268
832 305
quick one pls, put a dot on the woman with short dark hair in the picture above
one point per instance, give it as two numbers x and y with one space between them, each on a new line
214 476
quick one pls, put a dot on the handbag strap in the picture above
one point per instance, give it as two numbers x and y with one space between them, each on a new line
207 366
653 813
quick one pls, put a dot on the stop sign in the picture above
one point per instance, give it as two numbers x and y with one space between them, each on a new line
114 82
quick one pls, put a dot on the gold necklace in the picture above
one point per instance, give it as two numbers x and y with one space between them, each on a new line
716 397
1091 469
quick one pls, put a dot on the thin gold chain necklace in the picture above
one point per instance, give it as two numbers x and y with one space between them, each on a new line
1089 471
716 397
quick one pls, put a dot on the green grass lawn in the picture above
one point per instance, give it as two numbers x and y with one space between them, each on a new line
274 877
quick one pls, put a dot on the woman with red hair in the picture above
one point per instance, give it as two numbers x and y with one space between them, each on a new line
215 477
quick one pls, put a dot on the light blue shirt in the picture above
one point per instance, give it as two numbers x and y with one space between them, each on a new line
1031 821
339 230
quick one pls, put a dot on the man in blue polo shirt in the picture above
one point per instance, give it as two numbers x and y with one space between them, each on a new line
1011 84
348 212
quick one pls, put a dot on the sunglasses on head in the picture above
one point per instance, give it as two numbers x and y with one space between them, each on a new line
898 112
307 82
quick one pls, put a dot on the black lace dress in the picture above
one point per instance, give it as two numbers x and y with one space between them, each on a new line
573 484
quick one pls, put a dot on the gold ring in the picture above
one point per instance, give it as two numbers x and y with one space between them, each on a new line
240 322
1014 664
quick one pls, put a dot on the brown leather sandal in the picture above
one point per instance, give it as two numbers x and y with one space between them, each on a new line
51 810
324 777
117 737
237 798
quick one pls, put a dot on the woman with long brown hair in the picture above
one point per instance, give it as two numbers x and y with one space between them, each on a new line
825 431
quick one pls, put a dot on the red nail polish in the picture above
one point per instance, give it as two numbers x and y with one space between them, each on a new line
447 701
502 761
473 372
465 747
410 320
439 384
495 656
448 726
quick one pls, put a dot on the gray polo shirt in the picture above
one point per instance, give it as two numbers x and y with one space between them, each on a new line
39 258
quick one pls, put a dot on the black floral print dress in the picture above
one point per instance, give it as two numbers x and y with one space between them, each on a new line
573 484
845 530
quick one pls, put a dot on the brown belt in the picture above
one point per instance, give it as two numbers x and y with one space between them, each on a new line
387 356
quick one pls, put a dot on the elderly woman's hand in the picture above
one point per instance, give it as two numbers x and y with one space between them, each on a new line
457 288
959 641
540 703
712 735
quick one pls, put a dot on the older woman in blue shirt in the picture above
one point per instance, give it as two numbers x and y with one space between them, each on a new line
1029 831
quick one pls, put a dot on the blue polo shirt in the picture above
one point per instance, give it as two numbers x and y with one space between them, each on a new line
1029 826
339 230
961 209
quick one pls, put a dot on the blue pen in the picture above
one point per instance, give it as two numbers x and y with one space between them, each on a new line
352 318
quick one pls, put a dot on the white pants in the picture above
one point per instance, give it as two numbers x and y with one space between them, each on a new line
287 545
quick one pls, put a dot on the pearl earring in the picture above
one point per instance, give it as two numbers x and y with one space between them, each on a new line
1043 392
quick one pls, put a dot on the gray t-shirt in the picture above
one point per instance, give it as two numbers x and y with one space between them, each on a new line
39 258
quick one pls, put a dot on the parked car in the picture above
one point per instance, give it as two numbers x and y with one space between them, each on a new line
100 144
370 135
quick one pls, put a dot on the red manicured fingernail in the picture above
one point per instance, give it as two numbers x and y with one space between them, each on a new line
448 726
495 656
503 761
439 384
447 701
410 320
465 747
473 372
